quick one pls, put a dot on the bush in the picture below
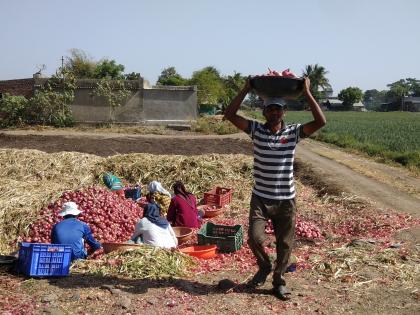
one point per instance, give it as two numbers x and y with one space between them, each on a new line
214 125
49 108
12 109
409 159
49 105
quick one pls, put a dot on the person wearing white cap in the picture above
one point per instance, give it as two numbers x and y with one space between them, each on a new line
73 232
273 194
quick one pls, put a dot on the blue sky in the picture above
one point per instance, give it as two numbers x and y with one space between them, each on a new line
363 43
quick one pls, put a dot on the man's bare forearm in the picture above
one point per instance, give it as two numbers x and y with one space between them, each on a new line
315 109
233 107
319 118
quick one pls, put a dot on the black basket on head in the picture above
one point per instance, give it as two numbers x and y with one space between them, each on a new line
277 86
227 238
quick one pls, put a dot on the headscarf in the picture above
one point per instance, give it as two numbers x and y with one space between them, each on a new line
179 188
155 186
152 213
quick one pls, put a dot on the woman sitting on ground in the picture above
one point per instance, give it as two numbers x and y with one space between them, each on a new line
153 229
161 196
183 208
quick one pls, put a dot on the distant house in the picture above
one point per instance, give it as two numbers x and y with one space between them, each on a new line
411 104
408 104
334 104
359 107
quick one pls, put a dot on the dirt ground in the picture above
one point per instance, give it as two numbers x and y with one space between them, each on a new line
322 167
115 143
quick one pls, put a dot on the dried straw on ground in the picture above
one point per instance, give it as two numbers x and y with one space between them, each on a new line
146 262
199 173
353 264
31 179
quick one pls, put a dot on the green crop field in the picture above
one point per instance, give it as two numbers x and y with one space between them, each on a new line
391 136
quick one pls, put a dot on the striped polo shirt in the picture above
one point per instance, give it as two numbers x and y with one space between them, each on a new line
273 159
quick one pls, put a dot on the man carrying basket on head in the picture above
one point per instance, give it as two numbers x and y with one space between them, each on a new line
273 194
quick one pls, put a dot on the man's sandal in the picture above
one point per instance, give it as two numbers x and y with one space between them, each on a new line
259 278
282 293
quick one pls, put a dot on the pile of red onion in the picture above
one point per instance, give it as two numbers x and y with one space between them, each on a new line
285 73
112 218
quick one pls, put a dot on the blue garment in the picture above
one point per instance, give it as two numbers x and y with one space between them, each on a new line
152 213
74 232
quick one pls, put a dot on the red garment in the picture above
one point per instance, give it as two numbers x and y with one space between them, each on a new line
183 212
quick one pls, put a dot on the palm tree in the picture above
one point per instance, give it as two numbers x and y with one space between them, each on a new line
317 75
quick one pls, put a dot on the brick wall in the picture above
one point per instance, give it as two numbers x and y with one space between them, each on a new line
23 87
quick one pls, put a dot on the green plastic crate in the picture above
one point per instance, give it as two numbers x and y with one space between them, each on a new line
227 238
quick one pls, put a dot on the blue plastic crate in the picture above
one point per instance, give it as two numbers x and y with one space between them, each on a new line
44 260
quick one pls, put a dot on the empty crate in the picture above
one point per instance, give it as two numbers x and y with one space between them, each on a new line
44 260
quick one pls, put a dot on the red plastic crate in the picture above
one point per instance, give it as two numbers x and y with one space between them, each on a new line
218 196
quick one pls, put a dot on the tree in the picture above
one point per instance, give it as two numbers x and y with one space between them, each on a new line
253 100
209 84
169 76
108 69
397 91
51 104
414 86
114 92
232 85
132 76
404 87
317 75
349 96
373 99
80 64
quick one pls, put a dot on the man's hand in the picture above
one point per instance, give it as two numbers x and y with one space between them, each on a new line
307 86
319 118
98 253
231 110
248 86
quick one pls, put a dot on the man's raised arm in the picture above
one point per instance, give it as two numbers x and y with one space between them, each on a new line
319 118
232 109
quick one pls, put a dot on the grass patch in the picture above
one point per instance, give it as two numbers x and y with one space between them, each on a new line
214 125
391 136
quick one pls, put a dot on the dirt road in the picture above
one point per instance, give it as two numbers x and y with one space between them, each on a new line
387 187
